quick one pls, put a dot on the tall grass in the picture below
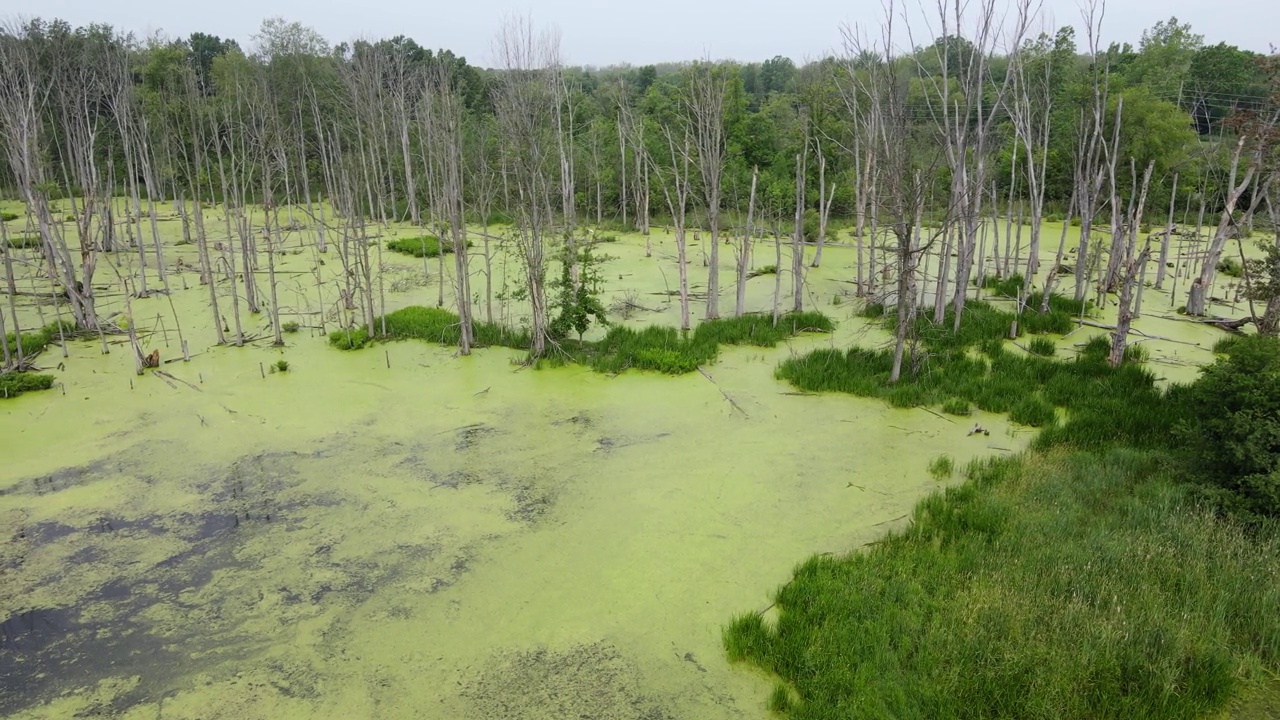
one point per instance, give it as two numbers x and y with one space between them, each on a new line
432 325
1061 585
660 349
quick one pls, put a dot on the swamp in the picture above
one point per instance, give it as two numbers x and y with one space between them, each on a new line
360 381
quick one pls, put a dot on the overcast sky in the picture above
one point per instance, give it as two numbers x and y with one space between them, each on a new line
598 32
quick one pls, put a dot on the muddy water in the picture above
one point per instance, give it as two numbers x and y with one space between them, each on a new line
400 532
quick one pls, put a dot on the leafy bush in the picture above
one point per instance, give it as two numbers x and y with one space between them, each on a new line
281 365
7 216
422 246
1232 428
14 384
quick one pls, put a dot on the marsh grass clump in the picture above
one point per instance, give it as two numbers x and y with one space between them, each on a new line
290 327
25 241
1105 406
1044 347
1062 585
1033 411
35 342
350 338
280 365
7 216
957 406
432 325
421 246
1230 267
780 699
13 384
942 467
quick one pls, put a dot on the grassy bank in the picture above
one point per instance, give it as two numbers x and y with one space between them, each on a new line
1063 585
661 349
13 384
1127 567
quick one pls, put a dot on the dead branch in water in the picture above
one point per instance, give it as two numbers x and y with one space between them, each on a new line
723 393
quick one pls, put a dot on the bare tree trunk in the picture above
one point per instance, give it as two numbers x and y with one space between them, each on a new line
797 238
1133 267
744 250
1168 235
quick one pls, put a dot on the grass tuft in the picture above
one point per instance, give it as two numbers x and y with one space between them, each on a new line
14 384
942 467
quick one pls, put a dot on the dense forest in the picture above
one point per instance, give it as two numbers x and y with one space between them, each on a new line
909 153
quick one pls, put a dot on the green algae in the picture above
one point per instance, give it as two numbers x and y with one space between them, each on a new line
408 533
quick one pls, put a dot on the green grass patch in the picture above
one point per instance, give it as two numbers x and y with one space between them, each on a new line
1044 347
7 216
660 349
35 342
942 467
1065 585
14 384
432 325
667 350
421 246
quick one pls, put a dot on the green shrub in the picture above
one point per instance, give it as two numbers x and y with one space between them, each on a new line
290 327
422 246
7 216
281 365
1230 267
1233 426
14 384
957 406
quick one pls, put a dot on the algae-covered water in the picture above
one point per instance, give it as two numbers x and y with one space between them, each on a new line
401 532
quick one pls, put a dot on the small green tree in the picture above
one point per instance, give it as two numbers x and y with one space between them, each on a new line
577 299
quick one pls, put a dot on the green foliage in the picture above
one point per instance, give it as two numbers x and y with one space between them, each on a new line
1044 347
281 365
1233 432
957 406
1230 267
942 467
577 303
1072 585
25 241
422 246
1033 411
350 338
7 216
35 342
14 384
1105 406
667 350
290 327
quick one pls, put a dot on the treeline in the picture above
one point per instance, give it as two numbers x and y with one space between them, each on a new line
916 150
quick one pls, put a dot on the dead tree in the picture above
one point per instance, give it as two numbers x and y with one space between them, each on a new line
706 93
